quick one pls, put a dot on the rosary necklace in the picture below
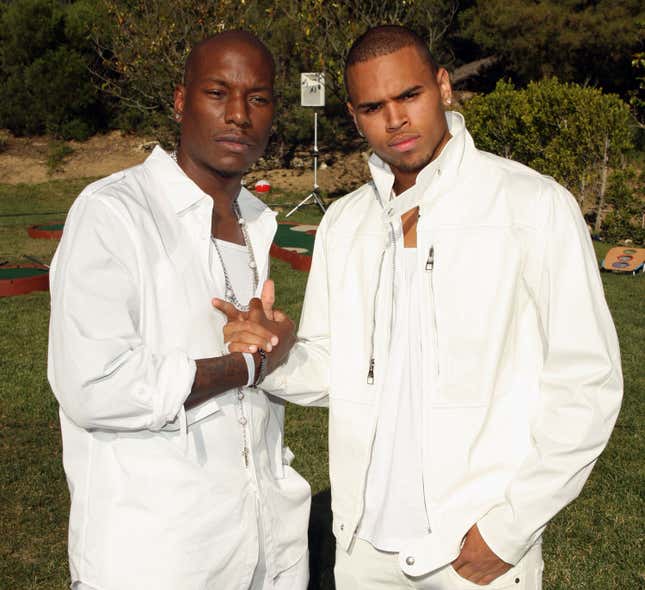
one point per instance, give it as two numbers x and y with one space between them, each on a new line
231 297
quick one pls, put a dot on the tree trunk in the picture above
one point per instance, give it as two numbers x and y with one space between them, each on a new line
603 185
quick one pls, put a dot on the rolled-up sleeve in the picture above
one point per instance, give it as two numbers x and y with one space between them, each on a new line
99 367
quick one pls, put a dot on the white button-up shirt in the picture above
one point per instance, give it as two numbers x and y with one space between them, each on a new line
161 498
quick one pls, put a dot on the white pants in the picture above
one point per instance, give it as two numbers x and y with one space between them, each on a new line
296 577
367 568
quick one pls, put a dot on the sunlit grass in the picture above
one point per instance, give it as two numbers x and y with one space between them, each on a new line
592 545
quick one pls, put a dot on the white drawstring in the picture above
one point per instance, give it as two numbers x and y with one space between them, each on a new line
183 429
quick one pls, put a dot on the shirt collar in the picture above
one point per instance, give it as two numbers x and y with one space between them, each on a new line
182 192
177 187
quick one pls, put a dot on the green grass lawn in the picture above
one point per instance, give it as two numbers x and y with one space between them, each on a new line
593 544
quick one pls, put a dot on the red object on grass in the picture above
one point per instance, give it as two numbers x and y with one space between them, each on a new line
22 279
262 186
50 231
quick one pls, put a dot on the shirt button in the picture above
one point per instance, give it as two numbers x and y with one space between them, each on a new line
409 560
240 395
342 527
242 421
438 171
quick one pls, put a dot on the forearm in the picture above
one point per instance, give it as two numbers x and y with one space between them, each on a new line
217 375
304 378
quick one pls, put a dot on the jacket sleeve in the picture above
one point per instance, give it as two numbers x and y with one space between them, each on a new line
304 378
100 369
580 384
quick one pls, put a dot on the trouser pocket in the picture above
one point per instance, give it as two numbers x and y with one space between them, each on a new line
526 575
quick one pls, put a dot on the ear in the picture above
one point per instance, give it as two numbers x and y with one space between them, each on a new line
179 101
352 114
445 88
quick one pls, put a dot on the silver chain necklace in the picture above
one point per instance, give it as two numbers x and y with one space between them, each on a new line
229 291
231 297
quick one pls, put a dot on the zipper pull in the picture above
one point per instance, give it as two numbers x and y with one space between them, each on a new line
370 373
430 261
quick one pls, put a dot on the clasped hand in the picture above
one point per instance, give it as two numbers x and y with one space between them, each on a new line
260 327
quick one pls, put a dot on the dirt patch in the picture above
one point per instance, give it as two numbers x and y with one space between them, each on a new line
25 158
25 161
338 174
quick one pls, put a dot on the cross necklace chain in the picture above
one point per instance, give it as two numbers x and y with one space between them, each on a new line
231 297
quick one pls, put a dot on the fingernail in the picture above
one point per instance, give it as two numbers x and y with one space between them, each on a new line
274 340
253 348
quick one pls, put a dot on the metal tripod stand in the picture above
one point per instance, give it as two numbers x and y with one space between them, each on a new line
314 195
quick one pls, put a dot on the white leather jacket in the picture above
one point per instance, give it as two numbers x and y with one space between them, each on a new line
522 379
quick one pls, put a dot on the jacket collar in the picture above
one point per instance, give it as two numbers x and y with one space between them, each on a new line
447 164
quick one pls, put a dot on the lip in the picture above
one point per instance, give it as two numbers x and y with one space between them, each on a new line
404 142
234 142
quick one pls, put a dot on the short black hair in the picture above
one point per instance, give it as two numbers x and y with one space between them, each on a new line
236 35
383 40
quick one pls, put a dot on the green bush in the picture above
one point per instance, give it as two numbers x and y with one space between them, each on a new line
57 152
45 79
576 134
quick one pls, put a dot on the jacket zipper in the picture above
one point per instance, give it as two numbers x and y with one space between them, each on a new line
430 264
370 371
429 267
430 260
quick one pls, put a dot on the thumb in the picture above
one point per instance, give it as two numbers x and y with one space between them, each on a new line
228 309
268 298
279 316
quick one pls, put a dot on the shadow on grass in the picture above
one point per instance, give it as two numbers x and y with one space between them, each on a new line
322 545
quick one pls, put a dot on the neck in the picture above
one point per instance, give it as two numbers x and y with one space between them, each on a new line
222 188
404 179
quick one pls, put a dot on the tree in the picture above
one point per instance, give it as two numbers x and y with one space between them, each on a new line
585 41
145 51
44 79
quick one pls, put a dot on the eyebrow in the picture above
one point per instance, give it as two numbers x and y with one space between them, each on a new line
366 105
226 85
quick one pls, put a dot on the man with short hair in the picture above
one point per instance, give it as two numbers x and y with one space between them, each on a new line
455 322
177 471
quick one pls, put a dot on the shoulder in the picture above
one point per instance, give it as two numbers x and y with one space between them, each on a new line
122 186
522 186
109 202
357 203
515 174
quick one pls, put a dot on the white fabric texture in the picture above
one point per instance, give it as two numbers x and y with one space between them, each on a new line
236 260
161 498
365 568
395 510
521 373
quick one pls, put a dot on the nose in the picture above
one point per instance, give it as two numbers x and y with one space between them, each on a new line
396 116
237 111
